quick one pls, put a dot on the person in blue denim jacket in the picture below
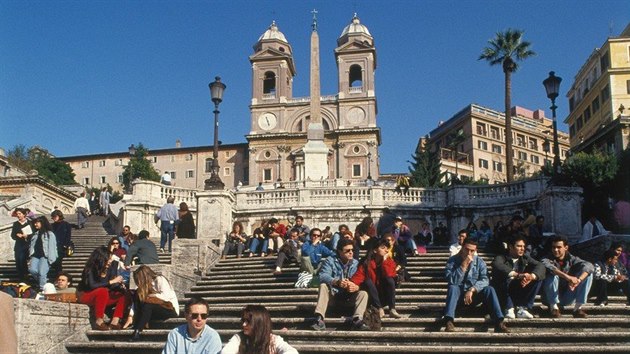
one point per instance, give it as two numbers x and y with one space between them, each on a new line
315 250
468 284
335 286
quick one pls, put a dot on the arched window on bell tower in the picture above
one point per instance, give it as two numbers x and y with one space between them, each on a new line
355 76
269 85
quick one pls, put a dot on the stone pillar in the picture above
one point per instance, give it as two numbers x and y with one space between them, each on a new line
214 215
562 210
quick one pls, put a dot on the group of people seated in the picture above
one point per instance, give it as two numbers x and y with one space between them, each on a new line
518 276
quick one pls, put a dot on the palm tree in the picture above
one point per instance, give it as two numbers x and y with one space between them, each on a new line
506 49
456 138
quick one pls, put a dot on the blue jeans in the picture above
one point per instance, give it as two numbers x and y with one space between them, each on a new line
255 245
487 296
557 291
167 234
511 294
409 245
39 270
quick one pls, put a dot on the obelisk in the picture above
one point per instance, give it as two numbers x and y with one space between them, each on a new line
315 151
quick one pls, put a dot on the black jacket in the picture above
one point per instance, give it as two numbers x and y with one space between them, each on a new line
503 265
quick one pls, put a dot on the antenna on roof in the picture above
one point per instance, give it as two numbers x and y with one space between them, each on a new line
610 28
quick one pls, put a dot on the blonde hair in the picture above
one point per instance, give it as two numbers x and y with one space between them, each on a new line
144 277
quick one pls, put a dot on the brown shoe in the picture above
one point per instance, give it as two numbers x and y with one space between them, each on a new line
115 327
579 314
102 327
450 326
501 328
555 313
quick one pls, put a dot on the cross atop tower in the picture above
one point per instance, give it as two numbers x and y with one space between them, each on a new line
314 25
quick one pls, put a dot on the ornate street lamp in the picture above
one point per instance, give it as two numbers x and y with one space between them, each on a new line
552 85
216 92
132 153
369 165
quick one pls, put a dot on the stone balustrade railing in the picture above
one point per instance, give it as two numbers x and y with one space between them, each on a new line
157 193
497 193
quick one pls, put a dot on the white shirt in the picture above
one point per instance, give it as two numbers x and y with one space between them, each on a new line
280 346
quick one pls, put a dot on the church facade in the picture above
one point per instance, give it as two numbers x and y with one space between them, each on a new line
279 121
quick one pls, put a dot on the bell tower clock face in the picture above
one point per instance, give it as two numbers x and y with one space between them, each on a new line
267 121
356 116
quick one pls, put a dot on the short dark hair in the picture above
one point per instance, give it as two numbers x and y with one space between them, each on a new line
615 245
463 231
273 221
294 230
57 213
519 236
316 229
343 243
195 301
469 241
299 217
609 254
65 274
143 234
343 226
559 238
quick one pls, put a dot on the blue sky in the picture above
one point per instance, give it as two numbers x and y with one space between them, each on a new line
83 77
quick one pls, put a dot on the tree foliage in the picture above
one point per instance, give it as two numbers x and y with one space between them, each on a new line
140 166
46 165
426 169
591 170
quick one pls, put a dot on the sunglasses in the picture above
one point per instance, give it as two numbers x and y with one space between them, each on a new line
348 250
316 235
195 316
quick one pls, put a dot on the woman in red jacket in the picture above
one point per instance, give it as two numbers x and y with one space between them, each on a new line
377 274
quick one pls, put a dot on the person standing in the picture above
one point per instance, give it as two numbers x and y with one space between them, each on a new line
82 208
63 233
194 336
20 234
168 216
104 201
166 179
186 225
42 250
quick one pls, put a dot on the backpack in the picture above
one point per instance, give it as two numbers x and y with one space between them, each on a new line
372 318
20 290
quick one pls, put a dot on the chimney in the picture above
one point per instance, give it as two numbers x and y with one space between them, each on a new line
178 143
539 114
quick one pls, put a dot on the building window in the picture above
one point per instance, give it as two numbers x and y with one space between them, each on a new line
520 140
119 178
227 154
154 159
208 165
482 145
190 174
579 123
102 179
604 62
269 84
497 148
587 114
533 144
118 162
595 105
227 171
628 87
85 164
481 129
547 162
173 174
605 93
495 133
355 76
522 155
101 163
246 175
172 158
267 175
497 166
535 159
483 163
356 170
572 130
189 157
571 103
86 181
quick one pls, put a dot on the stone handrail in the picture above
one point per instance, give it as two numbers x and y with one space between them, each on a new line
500 193
157 193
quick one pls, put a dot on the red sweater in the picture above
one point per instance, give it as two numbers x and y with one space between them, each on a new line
389 270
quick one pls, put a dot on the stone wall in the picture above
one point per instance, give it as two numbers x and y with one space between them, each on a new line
63 322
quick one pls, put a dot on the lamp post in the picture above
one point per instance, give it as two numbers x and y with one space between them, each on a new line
546 149
552 86
216 92
132 153
369 165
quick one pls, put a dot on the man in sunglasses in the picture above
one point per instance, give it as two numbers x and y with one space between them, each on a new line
313 251
195 336
335 286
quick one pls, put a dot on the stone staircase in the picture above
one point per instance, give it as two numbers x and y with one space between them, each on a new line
232 283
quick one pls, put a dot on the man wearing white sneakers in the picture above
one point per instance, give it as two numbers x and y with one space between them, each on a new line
517 277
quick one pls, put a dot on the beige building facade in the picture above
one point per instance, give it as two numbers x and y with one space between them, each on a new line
279 121
599 98
480 155
189 167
